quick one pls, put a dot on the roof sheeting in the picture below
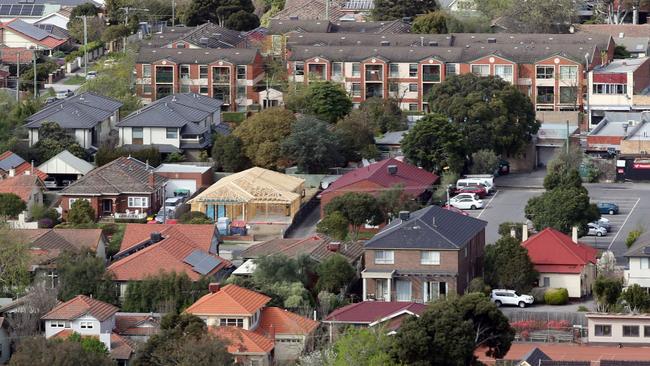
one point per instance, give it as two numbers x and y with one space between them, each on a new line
66 163
240 56
175 110
85 110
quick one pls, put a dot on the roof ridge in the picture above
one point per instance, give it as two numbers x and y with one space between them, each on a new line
419 218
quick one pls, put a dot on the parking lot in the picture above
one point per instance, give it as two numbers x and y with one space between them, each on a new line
633 199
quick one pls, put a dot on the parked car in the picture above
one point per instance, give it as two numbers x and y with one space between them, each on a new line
482 179
595 230
454 209
604 223
479 190
62 94
466 202
607 208
91 75
50 182
510 297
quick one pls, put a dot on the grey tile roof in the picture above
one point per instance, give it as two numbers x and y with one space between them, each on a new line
282 26
387 27
54 30
85 110
210 35
122 175
310 10
368 39
641 247
432 227
177 110
240 56
167 35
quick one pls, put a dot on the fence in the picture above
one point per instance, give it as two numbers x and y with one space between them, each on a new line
570 327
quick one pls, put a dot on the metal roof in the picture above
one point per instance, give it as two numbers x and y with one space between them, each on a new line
29 30
85 110
66 163
11 161
181 168
241 56
176 110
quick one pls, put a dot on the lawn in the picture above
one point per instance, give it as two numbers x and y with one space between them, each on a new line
75 80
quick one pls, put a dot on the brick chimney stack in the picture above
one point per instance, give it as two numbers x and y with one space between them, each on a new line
214 287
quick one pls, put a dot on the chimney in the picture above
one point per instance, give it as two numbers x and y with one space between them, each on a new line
392 169
334 246
12 172
524 232
404 215
214 287
152 179
574 234
155 237
32 169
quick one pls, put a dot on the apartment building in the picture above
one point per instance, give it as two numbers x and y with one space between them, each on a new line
547 67
230 75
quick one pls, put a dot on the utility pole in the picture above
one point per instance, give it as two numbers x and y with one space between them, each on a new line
126 20
35 80
18 76
173 13
85 19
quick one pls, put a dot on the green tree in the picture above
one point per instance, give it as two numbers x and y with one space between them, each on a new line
384 115
637 298
83 273
507 265
89 344
114 32
165 292
435 143
312 146
334 274
363 347
393 200
81 213
52 140
358 209
14 262
490 113
95 26
562 209
447 179
263 134
356 136
484 162
280 268
398 9
333 225
607 290
242 21
326 100
432 23
228 154
38 351
219 11
505 227
552 16
11 205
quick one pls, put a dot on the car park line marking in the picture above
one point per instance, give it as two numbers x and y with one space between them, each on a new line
486 205
623 224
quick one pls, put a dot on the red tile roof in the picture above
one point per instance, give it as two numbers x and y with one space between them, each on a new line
274 320
131 324
64 334
243 341
121 347
367 312
50 41
229 300
413 179
21 185
571 352
10 55
554 252
24 166
200 235
79 306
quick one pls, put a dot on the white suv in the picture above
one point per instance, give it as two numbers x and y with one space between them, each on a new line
510 297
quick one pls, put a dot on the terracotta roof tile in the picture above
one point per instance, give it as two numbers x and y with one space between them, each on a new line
556 251
229 300
367 312
121 347
201 235
27 167
570 352
64 334
243 341
79 306
20 185
132 324
274 320
314 246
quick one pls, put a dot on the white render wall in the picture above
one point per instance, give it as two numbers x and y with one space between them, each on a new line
150 135
636 275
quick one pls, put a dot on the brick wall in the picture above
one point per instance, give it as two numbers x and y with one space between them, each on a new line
409 260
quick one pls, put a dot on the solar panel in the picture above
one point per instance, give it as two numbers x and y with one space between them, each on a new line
15 9
4 9
194 258
207 265
38 10
27 10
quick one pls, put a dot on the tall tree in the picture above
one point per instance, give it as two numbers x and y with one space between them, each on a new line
219 11
637 298
262 135
312 146
242 21
607 290
356 136
228 154
326 100
14 262
434 143
507 265
83 273
554 16
398 9
334 274
394 200
562 208
38 351
334 225
166 292
11 205
52 140
40 300
385 115
358 209
81 213
362 347
432 23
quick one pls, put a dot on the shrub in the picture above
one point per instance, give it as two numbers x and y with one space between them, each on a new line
538 294
195 217
632 237
582 308
505 227
479 285
556 296
45 223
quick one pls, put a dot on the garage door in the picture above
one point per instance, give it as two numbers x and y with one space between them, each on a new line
174 184
545 154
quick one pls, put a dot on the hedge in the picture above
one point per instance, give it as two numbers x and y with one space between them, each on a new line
556 296
80 52
236 117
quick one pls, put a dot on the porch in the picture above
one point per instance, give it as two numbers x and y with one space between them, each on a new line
395 286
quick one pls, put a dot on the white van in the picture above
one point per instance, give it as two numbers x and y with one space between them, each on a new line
485 179
462 183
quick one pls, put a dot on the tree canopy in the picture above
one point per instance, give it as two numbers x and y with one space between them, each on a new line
358 209
38 351
637 298
228 154
164 293
83 273
562 208
434 22
312 146
14 263
355 133
398 9
221 12
384 115
327 101
263 134
52 140
334 225
11 205
81 213
334 274
553 16
507 265
363 347
434 143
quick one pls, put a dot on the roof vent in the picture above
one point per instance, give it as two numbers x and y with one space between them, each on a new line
492 40
392 169
203 40
334 246
404 215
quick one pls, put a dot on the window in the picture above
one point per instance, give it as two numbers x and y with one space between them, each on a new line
146 89
403 290
137 135
356 69
545 72
450 69
504 72
393 70
644 262
146 71
429 257
139 202
545 94
203 89
547 281
413 87
393 88
57 324
630 331
568 94
86 325
241 72
646 331
481 70
610 89
356 89
384 257
185 71
299 68
337 69
172 133
241 91
231 322
203 71
568 73
413 70
413 106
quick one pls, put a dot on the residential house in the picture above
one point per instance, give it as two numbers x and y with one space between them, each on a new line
138 327
386 314
230 75
562 261
27 186
609 133
416 183
634 37
18 34
253 195
533 358
5 341
183 176
621 85
423 255
177 123
87 117
64 168
268 333
9 161
124 188
41 11
618 328
148 250
638 272
59 18
566 354
390 144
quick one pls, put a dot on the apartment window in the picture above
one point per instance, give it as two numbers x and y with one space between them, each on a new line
356 89
429 257
356 69
137 135
337 69
393 88
413 70
203 72
644 262
481 70
545 72
393 70
610 89
384 257
568 73
86 325
231 322
646 331
241 72
138 202
203 89
603 330
172 133
299 68
146 89
504 72
630 331
413 87
568 94
146 71
185 71
545 94
450 69
413 106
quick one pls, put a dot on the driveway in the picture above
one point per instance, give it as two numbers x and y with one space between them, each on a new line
307 226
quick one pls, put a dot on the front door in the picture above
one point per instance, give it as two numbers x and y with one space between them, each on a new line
403 289
382 289
107 207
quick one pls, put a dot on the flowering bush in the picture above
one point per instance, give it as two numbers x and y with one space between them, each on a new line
532 325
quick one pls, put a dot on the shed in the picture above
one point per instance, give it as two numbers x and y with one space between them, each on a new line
65 166
181 176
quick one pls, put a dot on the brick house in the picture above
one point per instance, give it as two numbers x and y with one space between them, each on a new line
230 75
123 188
183 176
613 129
423 255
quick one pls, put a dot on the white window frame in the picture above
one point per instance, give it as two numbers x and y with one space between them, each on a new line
339 72
430 257
86 325
299 68
356 69
138 202
146 70
184 71
392 74
644 263
407 296
507 73
202 74
231 322
412 73
545 67
571 75
603 333
386 257
355 93
478 69
413 87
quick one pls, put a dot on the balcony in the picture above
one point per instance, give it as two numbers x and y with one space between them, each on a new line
545 99
221 79
164 77
374 91
316 72
431 77
374 73
431 73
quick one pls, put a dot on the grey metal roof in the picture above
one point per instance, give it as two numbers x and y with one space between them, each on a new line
359 5
612 124
634 44
621 66
85 110
388 27
11 162
432 227
177 110
240 56
29 30
54 30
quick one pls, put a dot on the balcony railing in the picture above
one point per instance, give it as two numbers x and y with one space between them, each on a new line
130 215
164 78
374 76
431 77
545 99
374 93
221 79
